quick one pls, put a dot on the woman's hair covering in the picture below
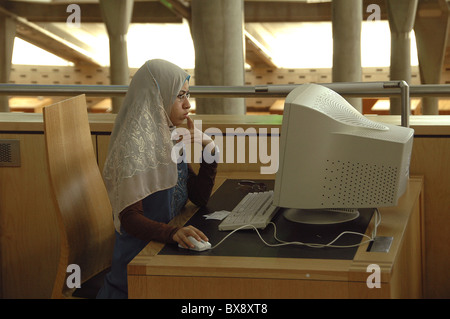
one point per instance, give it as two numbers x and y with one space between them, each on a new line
139 159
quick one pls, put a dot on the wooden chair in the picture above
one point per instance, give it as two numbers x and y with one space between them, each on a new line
81 199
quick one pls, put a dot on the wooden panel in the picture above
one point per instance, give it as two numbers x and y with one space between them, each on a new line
431 158
408 273
234 288
29 237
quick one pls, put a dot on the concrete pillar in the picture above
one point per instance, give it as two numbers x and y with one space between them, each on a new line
401 15
7 34
217 29
346 21
117 17
431 28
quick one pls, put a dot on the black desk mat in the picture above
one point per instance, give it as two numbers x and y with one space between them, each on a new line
247 242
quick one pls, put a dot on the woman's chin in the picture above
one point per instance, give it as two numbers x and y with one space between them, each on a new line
179 122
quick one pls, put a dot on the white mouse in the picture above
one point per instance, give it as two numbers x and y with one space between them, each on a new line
198 245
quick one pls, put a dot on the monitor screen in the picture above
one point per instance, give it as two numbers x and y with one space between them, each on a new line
333 160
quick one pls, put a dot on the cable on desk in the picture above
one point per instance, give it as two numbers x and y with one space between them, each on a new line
377 222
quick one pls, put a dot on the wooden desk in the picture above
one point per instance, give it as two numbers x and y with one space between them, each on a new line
173 276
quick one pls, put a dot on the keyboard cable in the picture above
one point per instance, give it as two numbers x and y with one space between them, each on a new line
377 221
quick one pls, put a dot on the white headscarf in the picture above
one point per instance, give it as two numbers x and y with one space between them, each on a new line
139 159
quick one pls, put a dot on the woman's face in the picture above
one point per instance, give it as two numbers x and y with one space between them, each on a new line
181 106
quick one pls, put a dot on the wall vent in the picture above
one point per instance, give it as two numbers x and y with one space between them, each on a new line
9 153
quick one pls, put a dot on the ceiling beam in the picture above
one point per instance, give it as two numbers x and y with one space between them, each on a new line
50 42
256 55
178 8
291 11
143 12
172 11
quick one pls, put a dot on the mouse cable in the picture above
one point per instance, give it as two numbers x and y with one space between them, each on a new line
377 222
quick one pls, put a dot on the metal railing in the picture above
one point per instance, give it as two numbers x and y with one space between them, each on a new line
347 89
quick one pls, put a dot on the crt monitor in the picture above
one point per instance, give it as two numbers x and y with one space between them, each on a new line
334 161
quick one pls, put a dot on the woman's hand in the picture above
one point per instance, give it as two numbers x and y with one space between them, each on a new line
181 236
198 136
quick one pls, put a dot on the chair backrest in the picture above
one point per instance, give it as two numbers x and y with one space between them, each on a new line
84 210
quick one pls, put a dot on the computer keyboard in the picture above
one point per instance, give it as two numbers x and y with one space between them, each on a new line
254 209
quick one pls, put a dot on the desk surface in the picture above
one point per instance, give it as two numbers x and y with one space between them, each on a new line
247 243
394 220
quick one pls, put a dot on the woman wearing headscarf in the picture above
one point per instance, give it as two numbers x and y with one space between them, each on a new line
146 187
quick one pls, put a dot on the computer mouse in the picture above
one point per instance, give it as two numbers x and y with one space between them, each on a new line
198 245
